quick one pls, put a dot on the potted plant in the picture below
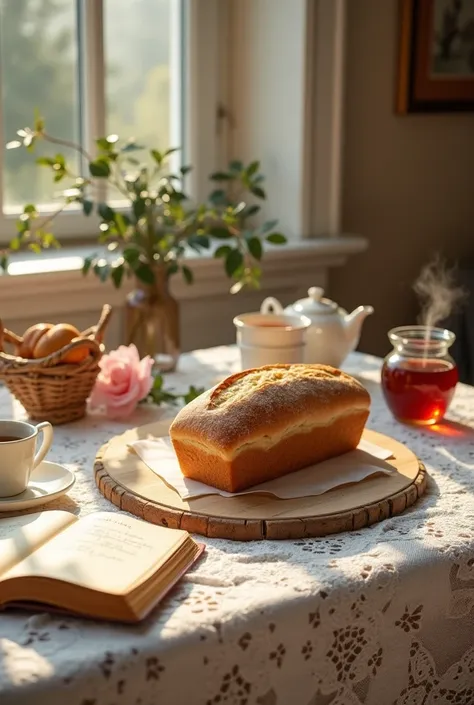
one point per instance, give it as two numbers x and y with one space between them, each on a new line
148 225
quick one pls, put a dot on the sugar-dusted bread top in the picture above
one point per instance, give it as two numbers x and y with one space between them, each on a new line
265 404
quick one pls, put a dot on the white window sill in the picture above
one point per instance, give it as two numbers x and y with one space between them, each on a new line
53 282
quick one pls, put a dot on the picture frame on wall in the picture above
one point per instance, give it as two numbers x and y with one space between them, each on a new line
436 56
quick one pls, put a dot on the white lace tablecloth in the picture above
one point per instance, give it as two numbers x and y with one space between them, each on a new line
379 616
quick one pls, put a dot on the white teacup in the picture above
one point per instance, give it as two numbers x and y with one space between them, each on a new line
268 339
18 456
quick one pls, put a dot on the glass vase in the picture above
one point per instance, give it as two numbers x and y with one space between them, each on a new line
419 376
152 322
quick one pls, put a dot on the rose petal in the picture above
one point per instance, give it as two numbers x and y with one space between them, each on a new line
122 382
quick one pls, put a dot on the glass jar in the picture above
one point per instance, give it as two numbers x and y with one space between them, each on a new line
152 322
419 376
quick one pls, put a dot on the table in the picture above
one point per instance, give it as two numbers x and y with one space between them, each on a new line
380 616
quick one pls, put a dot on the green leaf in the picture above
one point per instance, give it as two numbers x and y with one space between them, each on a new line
255 247
144 273
222 251
158 395
47 239
102 271
104 233
99 168
131 255
23 224
157 156
121 222
172 268
106 212
188 276
103 143
35 247
87 264
236 165
139 208
87 206
185 170
131 147
218 197
221 176
269 225
220 233
171 151
30 208
3 262
158 383
192 393
15 243
252 168
117 275
59 176
198 241
177 197
258 191
45 161
276 238
251 210
233 261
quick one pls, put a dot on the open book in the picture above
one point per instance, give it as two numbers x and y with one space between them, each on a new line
105 565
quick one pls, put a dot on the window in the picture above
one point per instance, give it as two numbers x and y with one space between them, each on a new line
212 76
91 67
39 69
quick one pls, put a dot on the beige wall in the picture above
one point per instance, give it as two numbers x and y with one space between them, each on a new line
408 182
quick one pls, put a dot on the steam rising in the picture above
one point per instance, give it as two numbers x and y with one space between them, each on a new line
437 291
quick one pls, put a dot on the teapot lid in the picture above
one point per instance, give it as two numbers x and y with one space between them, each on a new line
315 303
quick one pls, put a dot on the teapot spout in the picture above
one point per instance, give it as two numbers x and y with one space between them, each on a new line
353 324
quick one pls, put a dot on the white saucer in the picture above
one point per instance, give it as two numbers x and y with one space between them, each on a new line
47 481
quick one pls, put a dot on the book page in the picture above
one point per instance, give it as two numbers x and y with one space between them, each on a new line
20 536
106 551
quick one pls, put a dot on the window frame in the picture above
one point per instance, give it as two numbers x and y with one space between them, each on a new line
195 74
308 35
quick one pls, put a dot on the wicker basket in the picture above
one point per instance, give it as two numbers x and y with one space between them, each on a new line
49 389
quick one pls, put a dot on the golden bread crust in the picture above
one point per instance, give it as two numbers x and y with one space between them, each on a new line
261 406
256 465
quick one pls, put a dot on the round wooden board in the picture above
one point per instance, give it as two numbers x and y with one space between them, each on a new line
130 484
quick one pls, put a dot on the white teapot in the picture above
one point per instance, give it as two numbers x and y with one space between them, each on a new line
333 333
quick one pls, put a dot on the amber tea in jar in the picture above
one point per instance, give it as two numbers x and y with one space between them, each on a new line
419 376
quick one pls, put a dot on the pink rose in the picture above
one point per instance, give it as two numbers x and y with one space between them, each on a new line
122 382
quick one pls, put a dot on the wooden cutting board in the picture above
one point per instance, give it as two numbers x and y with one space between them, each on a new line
130 484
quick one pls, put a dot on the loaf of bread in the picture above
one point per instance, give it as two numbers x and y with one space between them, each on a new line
263 423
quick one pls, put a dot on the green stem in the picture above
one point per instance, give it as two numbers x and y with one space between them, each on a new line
48 219
150 240
67 143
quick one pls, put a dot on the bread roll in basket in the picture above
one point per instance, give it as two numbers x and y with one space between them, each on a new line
48 388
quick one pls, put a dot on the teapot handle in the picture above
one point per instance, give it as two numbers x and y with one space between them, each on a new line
271 305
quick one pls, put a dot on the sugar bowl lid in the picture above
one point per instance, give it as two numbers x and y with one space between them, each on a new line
315 303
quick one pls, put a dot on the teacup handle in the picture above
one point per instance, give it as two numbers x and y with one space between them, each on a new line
271 305
47 431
